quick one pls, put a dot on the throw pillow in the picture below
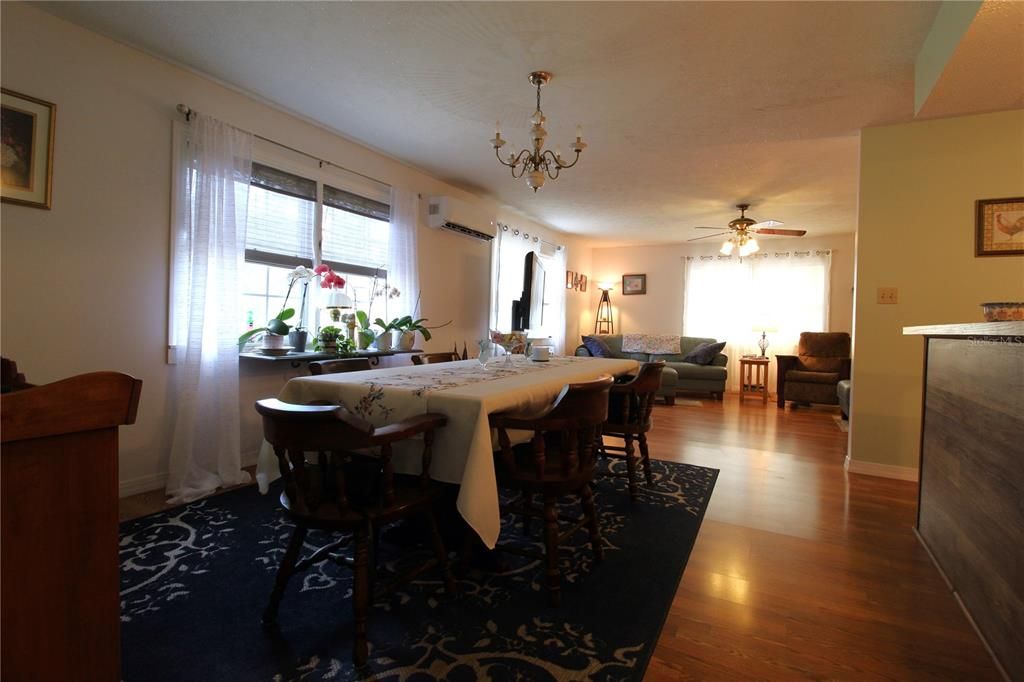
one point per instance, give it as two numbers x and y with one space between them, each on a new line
705 353
597 347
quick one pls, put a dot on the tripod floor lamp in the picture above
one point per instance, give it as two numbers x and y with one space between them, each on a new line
604 323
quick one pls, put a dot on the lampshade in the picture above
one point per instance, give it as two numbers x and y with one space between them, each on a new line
763 327
337 299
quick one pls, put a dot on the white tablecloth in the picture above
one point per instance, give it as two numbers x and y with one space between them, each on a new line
466 393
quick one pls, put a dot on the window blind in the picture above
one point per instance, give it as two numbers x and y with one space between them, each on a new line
353 203
355 243
279 228
356 229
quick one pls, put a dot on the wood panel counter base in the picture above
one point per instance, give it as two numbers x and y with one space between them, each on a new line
972 478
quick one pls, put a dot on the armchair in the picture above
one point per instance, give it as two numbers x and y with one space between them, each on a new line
822 361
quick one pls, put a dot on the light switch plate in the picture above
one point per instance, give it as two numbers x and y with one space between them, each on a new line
888 295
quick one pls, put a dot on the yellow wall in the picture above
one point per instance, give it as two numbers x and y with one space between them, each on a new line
918 185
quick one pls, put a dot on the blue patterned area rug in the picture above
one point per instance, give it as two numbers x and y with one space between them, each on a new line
194 581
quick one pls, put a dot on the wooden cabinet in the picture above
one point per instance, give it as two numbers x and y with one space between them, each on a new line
60 610
970 515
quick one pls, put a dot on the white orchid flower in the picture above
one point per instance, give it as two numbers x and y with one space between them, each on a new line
301 273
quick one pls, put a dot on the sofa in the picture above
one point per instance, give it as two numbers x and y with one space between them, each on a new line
677 375
843 391
811 376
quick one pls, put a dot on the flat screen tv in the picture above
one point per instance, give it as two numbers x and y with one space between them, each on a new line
528 311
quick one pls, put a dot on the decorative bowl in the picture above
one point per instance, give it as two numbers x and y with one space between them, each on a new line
1003 312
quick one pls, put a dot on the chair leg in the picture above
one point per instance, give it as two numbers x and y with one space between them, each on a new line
551 550
361 596
590 512
441 553
645 458
631 466
284 573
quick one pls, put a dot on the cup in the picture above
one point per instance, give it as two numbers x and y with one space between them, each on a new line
541 353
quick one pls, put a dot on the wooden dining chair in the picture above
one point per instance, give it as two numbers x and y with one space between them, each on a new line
630 405
432 358
348 493
558 461
339 366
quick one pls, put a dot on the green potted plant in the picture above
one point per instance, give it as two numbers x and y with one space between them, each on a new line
364 335
273 333
384 338
328 338
408 328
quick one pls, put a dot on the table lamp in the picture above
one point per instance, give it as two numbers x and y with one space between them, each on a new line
762 343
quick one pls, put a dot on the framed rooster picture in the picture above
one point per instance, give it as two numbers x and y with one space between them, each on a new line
1000 227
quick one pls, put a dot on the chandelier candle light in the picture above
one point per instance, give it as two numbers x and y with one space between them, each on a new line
535 163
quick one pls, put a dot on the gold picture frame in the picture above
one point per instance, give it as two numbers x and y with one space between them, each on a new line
999 227
27 127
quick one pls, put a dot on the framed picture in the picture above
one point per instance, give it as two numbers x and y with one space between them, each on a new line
570 279
583 283
633 285
999 227
27 127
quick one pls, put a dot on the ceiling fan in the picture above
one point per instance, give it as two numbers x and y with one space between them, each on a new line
741 233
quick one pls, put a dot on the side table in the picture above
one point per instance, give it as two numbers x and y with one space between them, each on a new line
754 377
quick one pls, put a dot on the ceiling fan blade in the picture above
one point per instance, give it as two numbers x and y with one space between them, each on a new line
784 233
708 228
707 236
766 223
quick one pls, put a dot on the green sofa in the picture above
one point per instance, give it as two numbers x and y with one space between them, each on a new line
678 376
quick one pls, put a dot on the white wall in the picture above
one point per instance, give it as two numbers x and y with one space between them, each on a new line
84 285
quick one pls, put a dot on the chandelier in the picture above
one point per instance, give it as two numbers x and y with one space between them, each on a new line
537 162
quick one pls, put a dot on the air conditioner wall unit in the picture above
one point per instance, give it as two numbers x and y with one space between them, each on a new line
458 216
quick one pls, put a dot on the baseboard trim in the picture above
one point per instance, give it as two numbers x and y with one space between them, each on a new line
143 484
854 466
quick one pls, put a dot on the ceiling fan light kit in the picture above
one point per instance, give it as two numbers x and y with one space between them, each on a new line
742 233
536 163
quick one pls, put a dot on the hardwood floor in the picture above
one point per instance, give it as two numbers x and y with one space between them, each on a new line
801 571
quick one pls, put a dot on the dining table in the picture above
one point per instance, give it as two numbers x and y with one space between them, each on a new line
467 392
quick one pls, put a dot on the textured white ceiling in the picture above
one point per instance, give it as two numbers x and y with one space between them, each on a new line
688 107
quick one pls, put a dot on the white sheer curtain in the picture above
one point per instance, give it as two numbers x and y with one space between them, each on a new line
727 299
213 164
403 269
512 247
554 298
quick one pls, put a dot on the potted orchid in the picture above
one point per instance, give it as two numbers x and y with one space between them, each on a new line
277 328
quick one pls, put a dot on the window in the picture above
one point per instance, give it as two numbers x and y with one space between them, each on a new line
510 255
734 301
283 231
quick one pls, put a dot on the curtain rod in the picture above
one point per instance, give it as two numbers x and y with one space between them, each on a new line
188 112
526 235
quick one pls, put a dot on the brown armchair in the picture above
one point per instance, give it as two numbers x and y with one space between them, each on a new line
822 361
